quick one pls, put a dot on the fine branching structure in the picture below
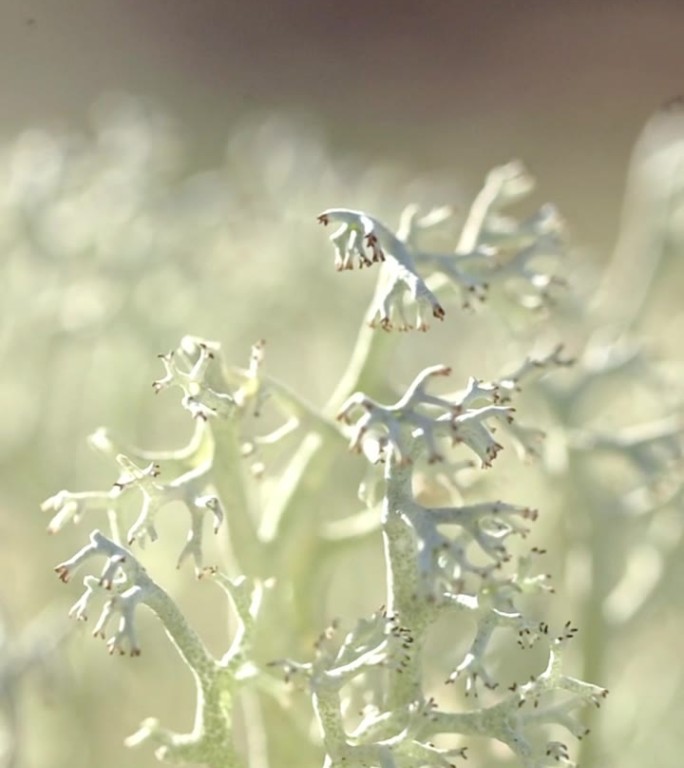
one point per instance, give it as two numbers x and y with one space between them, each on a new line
367 693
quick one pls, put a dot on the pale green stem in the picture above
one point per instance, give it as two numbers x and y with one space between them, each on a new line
403 588
653 191
228 475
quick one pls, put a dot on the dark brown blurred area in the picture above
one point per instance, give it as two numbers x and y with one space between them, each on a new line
457 86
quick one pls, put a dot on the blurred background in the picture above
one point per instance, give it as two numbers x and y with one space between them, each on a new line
161 169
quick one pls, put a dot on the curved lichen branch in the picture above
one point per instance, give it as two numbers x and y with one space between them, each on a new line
68 506
188 488
252 388
173 462
199 398
495 248
191 488
504 185
521 719
492 249
503 391
478 547
360 235
414 224
126 585
380 641
356 234
246 597
523 273
428 418
508 231
531 367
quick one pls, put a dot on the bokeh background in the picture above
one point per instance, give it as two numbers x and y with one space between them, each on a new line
161 168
